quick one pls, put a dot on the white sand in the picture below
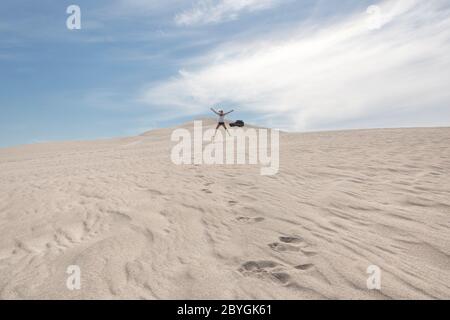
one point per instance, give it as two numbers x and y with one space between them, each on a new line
141 227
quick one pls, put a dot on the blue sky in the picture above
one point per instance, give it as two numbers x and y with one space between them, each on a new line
297 65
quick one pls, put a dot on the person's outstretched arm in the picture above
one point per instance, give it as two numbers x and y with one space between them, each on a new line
214 111
229 112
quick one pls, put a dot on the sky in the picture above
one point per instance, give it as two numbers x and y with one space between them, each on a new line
137 65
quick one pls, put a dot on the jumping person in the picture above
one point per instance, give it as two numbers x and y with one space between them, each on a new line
221 121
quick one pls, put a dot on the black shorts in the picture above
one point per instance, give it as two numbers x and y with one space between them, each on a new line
221 124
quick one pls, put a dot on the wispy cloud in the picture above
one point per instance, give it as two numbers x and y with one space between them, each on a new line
317 77
215 11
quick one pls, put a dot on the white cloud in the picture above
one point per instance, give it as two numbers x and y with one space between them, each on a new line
314 78
215 11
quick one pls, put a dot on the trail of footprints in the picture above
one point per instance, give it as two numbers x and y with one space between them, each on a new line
268 269
277 272
232 203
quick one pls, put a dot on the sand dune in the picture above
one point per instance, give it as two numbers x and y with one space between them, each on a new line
141 227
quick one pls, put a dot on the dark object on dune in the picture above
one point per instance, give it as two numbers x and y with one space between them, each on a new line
237 123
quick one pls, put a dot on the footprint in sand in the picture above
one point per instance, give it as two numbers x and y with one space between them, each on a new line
296 242
206 190
258 265
305 266
279 247
265 269
243 219
291 239
289 244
